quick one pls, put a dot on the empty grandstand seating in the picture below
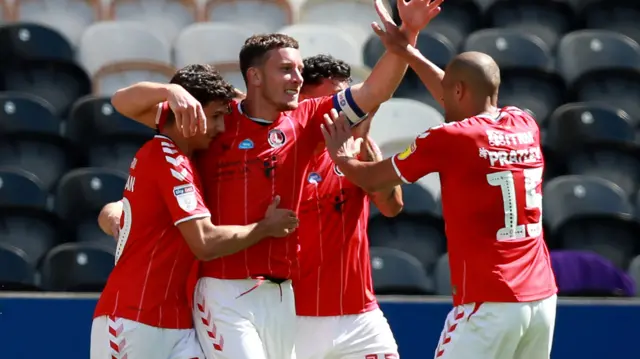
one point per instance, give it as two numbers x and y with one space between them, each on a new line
64 150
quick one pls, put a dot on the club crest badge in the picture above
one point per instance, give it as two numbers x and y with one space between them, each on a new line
314 178
276 138
186 197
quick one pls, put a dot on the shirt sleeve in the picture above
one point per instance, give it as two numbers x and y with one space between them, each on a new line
427 154
179 187
315 109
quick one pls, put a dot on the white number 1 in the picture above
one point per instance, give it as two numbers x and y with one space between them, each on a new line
125 230
504 179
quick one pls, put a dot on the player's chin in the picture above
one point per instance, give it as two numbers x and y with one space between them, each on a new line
289 105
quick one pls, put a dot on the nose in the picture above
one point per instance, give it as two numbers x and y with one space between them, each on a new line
297 78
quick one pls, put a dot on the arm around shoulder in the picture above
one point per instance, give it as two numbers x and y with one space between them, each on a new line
139 102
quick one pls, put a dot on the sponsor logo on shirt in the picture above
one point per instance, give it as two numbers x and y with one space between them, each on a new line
246 144
314 177
406 153
186 197
276 138
337 171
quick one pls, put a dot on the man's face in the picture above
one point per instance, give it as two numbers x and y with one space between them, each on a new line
214 112
327 87
281 78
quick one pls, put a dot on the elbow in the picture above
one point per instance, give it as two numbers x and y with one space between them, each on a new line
206 253
119 100
392 210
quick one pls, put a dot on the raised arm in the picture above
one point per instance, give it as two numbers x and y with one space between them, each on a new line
390 69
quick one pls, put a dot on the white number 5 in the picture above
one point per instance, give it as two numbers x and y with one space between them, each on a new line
125 230
504 179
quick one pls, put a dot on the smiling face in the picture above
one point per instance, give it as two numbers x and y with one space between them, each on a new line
281 78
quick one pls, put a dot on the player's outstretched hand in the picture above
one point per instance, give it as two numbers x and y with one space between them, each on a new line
279 222
416 14
337 136
188 111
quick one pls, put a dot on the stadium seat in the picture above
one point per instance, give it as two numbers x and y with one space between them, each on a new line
69 17
400 121
616 87
359 73
223 43
442 276
418 201
634 272
618 165
232 74
461 18
576 126
536 92
353 17
33 42
167 17
590 213
616 15
587 274
21 189
511 48
325 39
58 83
398 272
116 155
546 19
94 121
16 273
24 113
117 54
274 14
30 232
48 158
77 267
583 51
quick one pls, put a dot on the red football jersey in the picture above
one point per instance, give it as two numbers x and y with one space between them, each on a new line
248 165
335 270
491 178
153 260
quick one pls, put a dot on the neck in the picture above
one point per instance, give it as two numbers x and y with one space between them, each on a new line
177 137
487 106
257 107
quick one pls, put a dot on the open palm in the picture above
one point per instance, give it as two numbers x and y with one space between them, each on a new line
416 14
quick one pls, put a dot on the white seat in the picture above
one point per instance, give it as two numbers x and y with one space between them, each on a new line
69 17
259 16
209 43
232 74
353 16
167 17
322 39
106 84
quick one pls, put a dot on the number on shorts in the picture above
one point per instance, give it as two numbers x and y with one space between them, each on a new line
125 230
504 179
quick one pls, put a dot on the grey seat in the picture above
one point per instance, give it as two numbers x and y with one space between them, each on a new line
583 51
69 17
16 272
533 91
618 165
274 14
616 15
398 272
634 272
616 87
511 48
224 41
77 267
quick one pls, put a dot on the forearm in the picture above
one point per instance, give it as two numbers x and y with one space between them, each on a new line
383 80
388 200
430 74
360 173
225 240
139 99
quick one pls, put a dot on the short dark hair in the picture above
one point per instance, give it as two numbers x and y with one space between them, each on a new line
319 67
204 83
257 46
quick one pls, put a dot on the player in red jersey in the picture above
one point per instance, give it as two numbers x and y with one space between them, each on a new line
490 166
338 315
143 311
244 302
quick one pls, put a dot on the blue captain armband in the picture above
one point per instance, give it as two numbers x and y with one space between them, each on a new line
343 101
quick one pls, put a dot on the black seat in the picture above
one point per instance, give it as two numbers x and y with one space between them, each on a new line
82 267
59 83
93 120
583 51
21 189
617 87
534 91
47 158
398 272
80 196
436 47
546 19
618 165
116 155
511 48
418 201
590 213
32 233
575 127
24 113
16 272
616 15
25 41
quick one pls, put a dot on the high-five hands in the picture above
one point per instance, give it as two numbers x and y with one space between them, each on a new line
337 136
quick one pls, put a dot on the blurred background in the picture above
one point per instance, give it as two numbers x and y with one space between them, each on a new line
64 150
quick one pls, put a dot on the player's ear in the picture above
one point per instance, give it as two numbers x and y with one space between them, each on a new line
459 90
254 76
